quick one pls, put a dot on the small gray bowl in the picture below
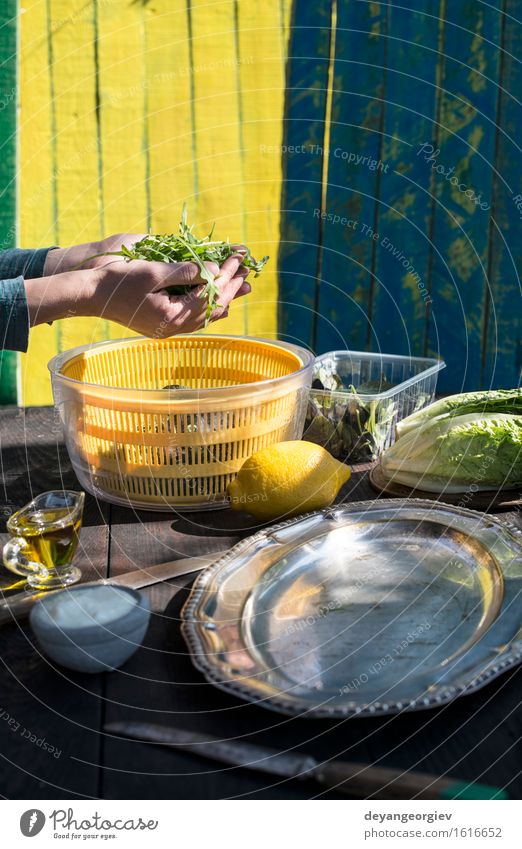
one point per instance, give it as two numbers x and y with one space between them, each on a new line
94 647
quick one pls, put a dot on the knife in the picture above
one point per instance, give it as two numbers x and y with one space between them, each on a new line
20 605
355 779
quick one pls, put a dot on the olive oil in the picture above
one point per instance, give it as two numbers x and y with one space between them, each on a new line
43 539
51 536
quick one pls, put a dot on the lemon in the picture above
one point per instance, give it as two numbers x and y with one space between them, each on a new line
287 479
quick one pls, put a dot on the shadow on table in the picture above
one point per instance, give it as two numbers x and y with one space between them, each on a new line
29 469
219 522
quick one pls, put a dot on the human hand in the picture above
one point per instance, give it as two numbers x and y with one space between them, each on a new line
92 255
85 255
135 294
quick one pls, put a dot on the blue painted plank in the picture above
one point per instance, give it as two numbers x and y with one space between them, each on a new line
354 174
401 299
307 75
463 178
502 350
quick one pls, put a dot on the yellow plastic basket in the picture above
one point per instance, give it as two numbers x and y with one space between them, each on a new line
133 442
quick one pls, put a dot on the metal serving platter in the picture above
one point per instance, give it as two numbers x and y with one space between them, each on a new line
369 608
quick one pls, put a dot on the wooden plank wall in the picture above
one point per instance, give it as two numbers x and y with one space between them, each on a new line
417 250
127 109
385 178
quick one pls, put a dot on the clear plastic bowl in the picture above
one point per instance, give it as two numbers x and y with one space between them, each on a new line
167 423
365 395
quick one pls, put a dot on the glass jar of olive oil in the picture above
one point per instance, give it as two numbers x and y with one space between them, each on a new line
44 538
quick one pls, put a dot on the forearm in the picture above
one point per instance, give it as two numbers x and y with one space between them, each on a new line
60 260
78 256
62 295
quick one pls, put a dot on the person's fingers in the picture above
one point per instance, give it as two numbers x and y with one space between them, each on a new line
147 276
190 298
160 275
185 318
242 272
227 292
218 316
181 273
241 249
235 288
197 292
191 303
127 239
244 289
213 267
189 311
124 238
229 269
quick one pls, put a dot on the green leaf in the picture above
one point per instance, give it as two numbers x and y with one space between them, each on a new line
186 247
453 453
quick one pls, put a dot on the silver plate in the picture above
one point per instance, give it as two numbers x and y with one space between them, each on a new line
370 608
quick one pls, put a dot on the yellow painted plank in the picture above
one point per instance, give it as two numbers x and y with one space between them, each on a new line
262 29
169 124
169 129
122 94
35 181
35 186
121 53
74 77
80 191
217 132
74 154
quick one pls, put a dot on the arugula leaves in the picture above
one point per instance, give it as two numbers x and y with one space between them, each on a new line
184 246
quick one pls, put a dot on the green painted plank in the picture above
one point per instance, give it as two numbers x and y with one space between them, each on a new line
502 348
466 148
8 233
401 301
304 129
354 176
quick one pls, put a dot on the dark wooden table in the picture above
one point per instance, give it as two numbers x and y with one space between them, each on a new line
42 706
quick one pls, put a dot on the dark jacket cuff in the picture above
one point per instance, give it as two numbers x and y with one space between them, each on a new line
14 315
34 266
28 263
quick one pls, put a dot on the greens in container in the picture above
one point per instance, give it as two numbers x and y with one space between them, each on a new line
352 429
357 398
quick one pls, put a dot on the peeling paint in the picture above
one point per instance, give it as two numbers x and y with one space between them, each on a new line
462 258
402 206
477 59
455 115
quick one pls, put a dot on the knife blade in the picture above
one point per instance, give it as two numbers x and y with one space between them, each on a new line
355 779
247 755
20 605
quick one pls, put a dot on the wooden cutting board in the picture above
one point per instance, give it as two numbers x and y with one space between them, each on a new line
503 499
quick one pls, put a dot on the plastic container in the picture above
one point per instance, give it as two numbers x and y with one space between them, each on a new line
132 442
356 425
